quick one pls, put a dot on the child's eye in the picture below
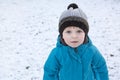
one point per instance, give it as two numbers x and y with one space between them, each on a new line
68 31
79 31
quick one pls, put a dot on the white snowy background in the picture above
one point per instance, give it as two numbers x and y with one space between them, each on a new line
29 29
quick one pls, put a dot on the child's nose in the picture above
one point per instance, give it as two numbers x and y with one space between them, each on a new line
74 35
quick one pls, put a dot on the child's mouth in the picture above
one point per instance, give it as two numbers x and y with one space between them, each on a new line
74 41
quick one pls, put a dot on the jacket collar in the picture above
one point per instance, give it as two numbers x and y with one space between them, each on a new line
75 53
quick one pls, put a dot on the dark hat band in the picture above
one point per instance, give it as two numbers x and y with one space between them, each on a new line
73 18
73 21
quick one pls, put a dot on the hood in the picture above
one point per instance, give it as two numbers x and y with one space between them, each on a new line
75 53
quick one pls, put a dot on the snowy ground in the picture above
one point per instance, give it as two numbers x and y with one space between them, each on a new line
28 32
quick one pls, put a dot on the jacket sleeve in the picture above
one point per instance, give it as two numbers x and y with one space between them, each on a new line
99 66
51 67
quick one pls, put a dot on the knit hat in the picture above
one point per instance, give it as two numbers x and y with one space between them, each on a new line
73 16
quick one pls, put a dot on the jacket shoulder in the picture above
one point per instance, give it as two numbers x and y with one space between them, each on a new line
57 52
92 48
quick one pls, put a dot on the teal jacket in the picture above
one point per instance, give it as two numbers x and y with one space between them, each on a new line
82 63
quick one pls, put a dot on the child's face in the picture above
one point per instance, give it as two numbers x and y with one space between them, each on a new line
73 36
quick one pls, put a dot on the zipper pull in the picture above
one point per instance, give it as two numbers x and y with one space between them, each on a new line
76 50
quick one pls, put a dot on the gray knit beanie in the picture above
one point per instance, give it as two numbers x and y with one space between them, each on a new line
73 16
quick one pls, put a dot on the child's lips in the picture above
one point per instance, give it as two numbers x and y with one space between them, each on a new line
74 41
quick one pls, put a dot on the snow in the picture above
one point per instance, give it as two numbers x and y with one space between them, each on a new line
29 29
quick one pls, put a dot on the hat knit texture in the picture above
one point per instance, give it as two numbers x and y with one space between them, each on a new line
73 16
